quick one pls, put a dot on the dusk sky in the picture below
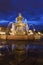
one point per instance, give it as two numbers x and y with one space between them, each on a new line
32 10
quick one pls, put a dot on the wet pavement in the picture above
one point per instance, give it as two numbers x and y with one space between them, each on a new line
22 54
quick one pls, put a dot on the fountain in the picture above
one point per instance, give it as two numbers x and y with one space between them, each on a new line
20 30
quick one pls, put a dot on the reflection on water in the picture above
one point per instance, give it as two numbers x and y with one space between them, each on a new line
19 51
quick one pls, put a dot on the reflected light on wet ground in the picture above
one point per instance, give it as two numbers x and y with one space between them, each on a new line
23 54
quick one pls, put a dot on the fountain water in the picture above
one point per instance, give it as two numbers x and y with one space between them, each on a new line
8 27
32 27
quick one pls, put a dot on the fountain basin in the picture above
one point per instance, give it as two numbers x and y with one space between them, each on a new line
11 37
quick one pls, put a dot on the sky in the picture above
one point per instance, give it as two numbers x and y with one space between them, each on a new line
32 10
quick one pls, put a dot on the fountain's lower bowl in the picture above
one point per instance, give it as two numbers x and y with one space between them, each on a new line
13 37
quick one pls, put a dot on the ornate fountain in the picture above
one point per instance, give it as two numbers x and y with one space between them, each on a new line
19 31
19 28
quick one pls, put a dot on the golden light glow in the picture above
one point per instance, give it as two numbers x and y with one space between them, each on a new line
2 33
20 31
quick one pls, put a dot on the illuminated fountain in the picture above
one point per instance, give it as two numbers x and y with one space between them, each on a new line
20 30
19 27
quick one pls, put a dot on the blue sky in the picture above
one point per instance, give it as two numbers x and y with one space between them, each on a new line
32 10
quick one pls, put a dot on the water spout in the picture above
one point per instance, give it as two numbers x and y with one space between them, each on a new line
8 27
32 27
